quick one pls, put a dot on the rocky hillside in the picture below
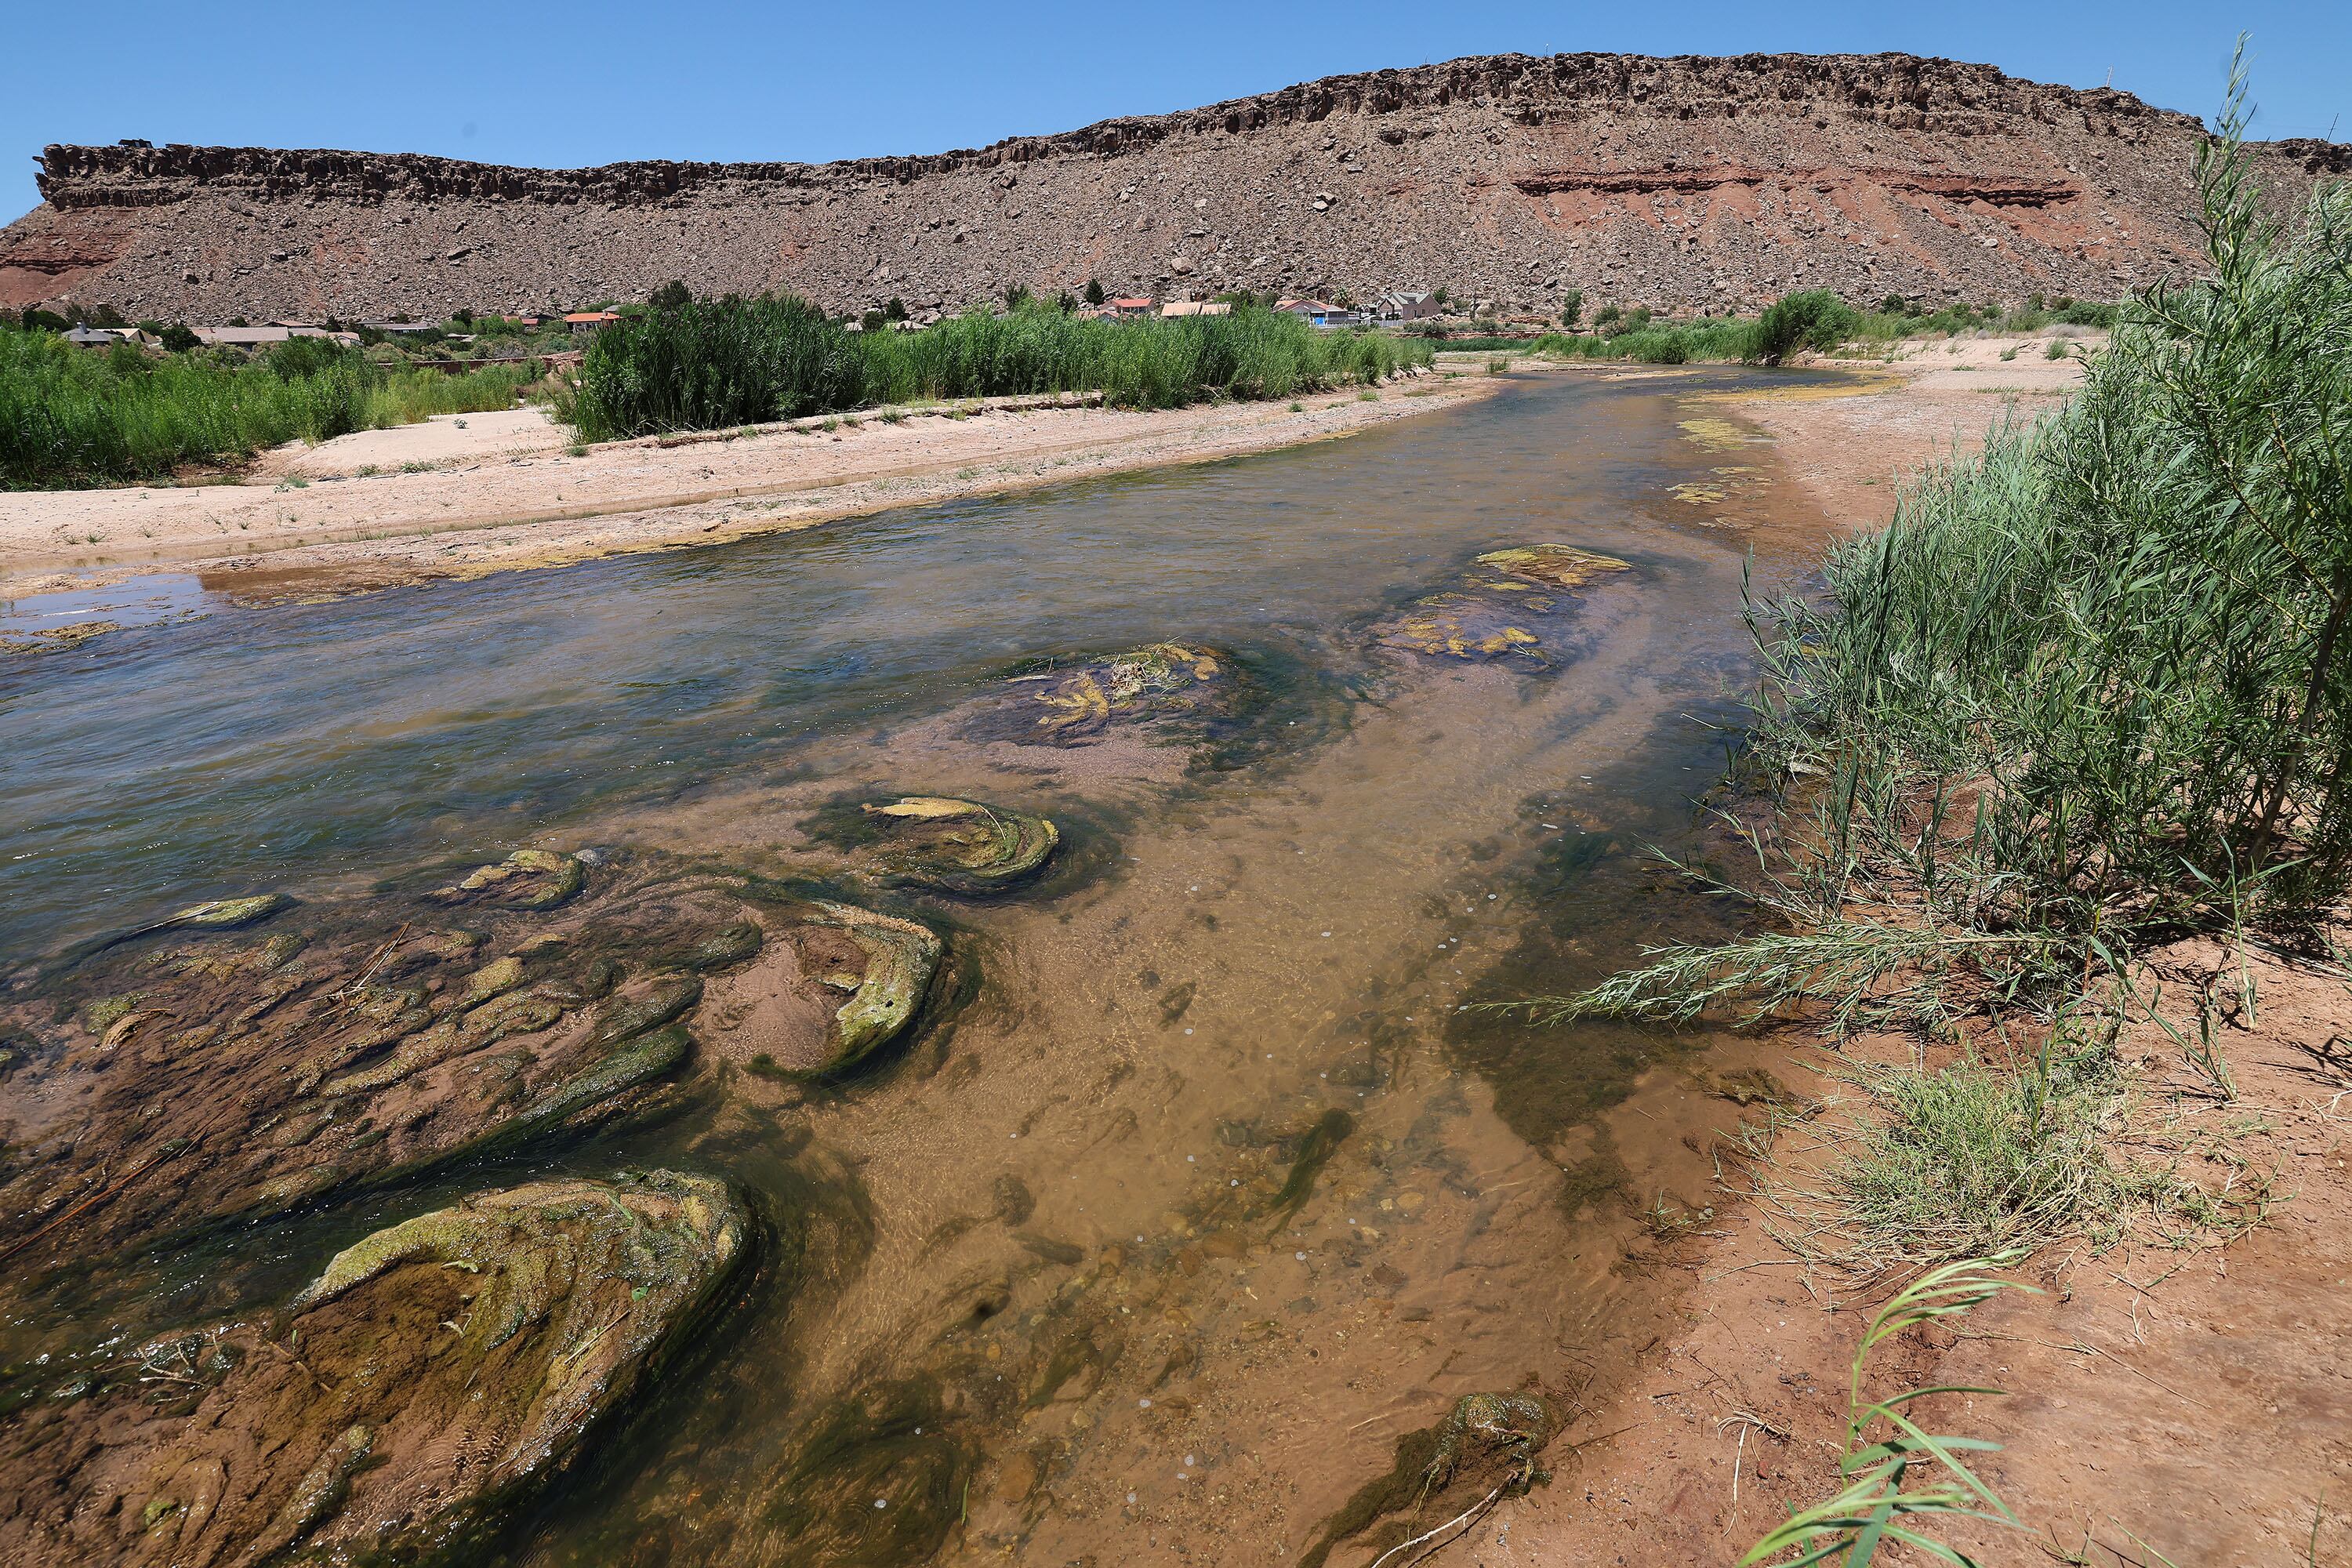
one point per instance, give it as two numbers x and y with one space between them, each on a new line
1686 183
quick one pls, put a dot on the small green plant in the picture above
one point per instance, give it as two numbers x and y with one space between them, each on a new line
1298 408
1498 364
2057 349
1883 1503
1367 395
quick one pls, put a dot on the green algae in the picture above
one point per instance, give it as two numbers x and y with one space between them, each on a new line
960 845
893 1446
901 957
526 880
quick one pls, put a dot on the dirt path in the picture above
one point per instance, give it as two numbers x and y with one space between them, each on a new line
462 496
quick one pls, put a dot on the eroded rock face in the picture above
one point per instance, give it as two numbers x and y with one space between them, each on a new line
1510 603
1691 182
427 1379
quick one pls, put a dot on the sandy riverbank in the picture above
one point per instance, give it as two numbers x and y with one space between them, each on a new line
462 496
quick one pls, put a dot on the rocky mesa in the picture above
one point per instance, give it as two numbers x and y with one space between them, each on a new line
1682 184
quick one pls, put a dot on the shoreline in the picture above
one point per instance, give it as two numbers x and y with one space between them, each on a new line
464 496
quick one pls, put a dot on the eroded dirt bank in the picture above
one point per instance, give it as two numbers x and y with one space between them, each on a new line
464 495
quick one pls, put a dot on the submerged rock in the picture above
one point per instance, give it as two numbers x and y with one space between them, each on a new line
225 1080
780 1015
1500 611
406 1400
958 844
526 880
1161 680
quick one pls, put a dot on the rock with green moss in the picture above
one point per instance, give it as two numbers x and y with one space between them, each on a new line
962 845
526 880
901 959
1508 605
429 1380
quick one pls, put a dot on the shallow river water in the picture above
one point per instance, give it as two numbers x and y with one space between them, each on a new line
1197 1186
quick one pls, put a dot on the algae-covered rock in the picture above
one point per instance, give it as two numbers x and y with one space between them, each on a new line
1509 609
526 880
958 844
1559 565
784 1016
407 1400
1157 681
901 957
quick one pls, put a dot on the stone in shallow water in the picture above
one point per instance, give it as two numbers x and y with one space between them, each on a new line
1500 611
962 845
1161 680
526 880
783 1016
424 1384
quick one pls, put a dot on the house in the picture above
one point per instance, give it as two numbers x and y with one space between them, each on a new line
1197 308
93 337
1320 313
1128 307
583 322
242 337
1407 305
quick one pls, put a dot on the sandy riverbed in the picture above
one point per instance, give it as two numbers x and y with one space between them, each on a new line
460 496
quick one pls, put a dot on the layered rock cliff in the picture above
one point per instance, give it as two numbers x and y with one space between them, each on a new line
1679 183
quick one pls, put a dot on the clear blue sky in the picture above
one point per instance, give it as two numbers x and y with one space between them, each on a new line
589 82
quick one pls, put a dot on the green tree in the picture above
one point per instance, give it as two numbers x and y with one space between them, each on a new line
673 295
894 309
1571 306
1094 291
177 338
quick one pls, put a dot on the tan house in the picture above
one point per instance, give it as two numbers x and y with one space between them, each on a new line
1197 308
1128 307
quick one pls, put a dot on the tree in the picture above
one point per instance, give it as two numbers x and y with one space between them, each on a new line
1017 296
177 338
873 320
673 295
1571 306
1094 291
894 309
1814 316
1439 295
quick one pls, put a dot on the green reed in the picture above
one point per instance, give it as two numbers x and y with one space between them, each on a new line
71 416
2091 687
710 364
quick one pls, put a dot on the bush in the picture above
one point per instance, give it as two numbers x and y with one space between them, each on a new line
1812 319
718 363
71 417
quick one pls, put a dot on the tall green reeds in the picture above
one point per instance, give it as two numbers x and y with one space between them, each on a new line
708 364
71 416
2093 688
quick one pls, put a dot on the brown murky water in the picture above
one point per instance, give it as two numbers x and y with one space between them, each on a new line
1197 1185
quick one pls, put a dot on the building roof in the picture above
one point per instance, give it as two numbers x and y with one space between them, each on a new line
1129 304
1197 308
242 337
579 317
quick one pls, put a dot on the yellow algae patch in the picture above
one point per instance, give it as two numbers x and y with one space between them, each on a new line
1697 494
1461 626
1561 565
1719 435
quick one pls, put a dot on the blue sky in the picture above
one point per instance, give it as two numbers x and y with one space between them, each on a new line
588 82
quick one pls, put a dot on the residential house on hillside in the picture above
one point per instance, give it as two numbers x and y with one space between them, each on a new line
1197 308
1407 305
1320 312
583 322
243 337
1128 307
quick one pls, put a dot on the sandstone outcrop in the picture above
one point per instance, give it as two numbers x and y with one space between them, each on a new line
1689 182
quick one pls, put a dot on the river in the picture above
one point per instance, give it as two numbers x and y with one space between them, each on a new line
1204 1186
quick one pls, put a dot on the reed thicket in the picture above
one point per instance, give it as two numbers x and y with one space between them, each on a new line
72 416
711 364
2091 689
